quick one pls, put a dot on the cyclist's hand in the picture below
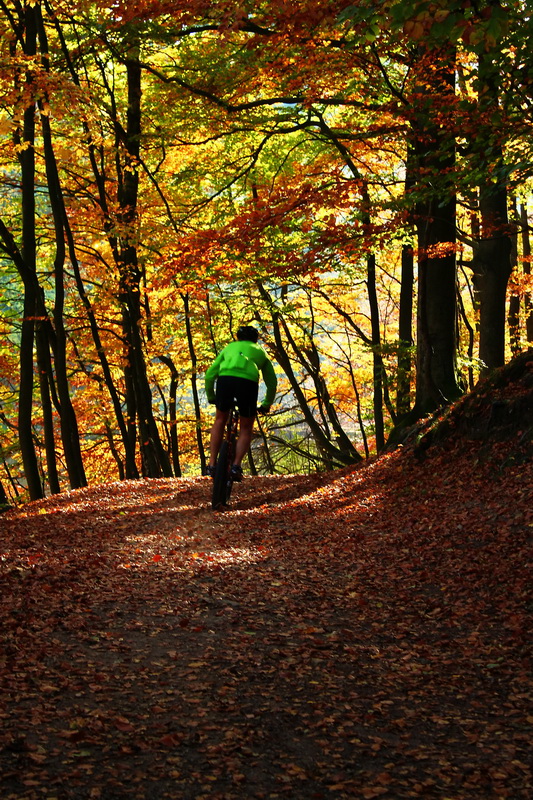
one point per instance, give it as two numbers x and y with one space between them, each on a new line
263 409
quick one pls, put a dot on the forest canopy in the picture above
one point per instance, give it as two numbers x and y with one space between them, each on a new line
353 178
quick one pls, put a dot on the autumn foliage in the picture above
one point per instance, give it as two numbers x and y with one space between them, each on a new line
353 177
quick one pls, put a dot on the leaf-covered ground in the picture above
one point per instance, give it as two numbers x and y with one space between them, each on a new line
362 634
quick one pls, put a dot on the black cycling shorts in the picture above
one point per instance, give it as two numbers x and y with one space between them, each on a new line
242 390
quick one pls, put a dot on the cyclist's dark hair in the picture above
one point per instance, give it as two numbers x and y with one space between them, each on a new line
247 333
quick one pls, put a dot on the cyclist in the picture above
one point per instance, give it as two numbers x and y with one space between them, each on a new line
236 372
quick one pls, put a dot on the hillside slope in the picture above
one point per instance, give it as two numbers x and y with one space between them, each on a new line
500 409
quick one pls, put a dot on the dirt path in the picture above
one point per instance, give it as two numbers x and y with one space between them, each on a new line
357 635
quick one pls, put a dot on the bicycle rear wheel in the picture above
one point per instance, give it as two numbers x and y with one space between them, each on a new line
222 483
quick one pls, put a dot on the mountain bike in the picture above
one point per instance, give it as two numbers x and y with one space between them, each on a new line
223 482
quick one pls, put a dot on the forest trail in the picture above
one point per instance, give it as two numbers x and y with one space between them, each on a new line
360 634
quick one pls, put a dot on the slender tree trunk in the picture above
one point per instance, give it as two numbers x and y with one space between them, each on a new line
4 500
266 448
25 413
14 487
471 337
127 435
194 382
27 164
377 360
26 381
127 430
114 452
173 436
309 358
70 436
513 313
526 254
332 454
45 376
57 338
331 426
378 366
155 459
405 316
405 332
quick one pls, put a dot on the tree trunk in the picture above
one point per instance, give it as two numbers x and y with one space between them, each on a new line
333 455
437 382
377 359
173 435
378 366
28 263
405 332
155 459
491 263
4 500
265 448
128 436
492 269
45 383
194 382
436 320
526 254
70 436
114 452
25 414
127 431
405 315
513 314
331 426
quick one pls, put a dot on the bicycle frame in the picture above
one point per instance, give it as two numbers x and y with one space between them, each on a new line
222 482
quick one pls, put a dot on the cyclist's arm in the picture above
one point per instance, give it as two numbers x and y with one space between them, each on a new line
210 378
271 383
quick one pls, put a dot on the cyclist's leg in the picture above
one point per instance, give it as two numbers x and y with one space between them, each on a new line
246 425
224 394
246 394
217 434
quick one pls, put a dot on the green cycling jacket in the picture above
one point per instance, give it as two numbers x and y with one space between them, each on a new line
242 359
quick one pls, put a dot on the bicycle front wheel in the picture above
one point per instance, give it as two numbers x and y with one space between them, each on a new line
221 482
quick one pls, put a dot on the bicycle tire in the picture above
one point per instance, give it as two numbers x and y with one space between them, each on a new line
221 482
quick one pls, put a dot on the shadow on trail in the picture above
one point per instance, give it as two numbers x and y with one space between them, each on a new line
316 640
